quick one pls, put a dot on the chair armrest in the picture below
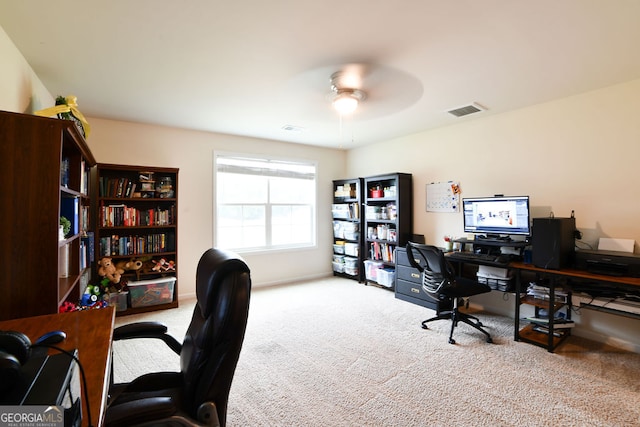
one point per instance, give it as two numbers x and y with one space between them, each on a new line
147 330
138 411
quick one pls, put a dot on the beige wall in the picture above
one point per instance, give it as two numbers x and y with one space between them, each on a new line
192 152
20 89
579 153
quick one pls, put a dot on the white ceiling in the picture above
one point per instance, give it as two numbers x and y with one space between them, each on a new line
252 67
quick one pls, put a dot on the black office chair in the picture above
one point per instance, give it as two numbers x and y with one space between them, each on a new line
440 283
198 394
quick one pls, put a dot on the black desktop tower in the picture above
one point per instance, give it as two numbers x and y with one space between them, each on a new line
553 242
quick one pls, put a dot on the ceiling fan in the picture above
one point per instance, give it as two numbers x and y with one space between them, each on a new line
376 89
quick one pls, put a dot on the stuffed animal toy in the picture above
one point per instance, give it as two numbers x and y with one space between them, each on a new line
163 265
131 265
170 266
67 307
108 270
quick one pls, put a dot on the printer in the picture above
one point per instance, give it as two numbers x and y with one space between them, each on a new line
610 263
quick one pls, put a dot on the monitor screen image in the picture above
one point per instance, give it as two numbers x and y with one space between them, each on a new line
497 215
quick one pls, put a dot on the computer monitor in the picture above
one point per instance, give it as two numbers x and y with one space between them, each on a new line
496 216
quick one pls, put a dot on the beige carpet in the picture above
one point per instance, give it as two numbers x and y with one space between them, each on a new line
337 353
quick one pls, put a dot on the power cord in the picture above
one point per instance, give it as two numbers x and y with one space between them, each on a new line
82 375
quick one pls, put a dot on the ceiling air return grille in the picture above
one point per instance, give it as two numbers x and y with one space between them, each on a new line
467 109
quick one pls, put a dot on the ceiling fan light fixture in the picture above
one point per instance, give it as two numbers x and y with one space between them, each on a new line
345 97
346 101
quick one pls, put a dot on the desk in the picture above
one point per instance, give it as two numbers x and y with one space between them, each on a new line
550 341
613 282
631 282
89 331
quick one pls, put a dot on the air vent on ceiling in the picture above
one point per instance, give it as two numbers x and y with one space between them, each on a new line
467 109
292 128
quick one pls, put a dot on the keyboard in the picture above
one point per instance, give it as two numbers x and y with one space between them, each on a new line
472 256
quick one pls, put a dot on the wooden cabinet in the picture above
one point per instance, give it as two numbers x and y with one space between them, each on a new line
409 284
136 217
388 224
347 228
45 173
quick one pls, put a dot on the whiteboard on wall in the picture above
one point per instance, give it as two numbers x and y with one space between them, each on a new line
443 196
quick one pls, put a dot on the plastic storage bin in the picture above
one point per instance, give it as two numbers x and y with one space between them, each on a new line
371 269
340 211
504 284
386 276
351 249
351 271
151 292
117 300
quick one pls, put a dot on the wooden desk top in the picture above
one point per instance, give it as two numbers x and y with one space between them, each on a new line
581 274
89 331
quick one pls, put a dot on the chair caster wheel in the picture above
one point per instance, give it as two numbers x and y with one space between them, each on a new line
480 324
489 340
452 341
425 327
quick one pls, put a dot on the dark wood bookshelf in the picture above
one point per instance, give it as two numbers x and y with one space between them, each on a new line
126 185
34 150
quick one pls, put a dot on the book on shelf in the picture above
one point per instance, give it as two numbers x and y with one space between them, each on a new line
558 323
84 177
87 249
544 330
70 209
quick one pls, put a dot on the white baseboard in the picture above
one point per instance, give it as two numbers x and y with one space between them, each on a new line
605 339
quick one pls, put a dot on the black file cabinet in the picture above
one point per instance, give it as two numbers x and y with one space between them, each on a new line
409 284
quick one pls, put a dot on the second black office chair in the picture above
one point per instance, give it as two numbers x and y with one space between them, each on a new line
440 283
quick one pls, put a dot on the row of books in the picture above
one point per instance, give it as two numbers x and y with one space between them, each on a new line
77 215
382 252
84 175
120 187
116 245
126 216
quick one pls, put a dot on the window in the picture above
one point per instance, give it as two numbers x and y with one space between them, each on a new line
264 203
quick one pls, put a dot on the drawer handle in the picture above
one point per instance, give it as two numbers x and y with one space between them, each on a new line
415 291
415 275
